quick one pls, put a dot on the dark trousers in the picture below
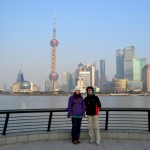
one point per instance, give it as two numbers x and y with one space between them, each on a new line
76 127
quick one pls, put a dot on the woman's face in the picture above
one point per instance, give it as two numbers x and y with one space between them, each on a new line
90 91
77 91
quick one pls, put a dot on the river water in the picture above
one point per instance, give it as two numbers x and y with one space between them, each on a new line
34 122
37 102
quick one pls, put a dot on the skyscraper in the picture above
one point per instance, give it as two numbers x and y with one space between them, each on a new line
119 64
93 75
102 74
47 85
146 78
86 75
128 62
127 65
20 77
53 75
71 82
138 65
64 85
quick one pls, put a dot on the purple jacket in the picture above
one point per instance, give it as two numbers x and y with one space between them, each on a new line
78 109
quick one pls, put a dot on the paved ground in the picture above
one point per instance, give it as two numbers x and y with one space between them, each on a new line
106 144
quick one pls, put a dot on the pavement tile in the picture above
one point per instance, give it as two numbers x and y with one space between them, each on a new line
106 144
87 146
132 145
11 146
33 145
53 145
145 144
110 144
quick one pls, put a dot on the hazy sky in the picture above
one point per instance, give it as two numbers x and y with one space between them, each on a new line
87 30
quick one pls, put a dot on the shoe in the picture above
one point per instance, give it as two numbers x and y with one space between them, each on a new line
97 143
91 141
78 142
74 142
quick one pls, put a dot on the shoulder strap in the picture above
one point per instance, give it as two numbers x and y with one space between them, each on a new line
75 103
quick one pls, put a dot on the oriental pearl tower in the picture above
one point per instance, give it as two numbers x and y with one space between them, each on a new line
53 75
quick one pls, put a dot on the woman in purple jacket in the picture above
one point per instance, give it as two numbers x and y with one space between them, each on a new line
76 112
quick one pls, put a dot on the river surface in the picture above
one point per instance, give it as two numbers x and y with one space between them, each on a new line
37 102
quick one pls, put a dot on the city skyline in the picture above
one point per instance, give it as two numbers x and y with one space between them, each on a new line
87 31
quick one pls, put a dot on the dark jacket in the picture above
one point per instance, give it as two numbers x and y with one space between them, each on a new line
92 104
79 108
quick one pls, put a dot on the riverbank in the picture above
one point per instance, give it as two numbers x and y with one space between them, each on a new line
68 94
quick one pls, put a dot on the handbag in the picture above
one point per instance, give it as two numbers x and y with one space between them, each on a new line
68 115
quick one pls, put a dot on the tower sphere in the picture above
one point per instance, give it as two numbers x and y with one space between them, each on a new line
54 42
53 76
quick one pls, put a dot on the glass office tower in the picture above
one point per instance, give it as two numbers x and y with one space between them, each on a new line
146 78
20 77
128 62
138 65
127 65
102 74
119 64
136 69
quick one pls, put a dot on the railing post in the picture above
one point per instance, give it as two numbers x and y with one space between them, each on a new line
49 122
149 121
106 120
6 123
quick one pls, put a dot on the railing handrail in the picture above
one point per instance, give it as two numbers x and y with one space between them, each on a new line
65 109
52 110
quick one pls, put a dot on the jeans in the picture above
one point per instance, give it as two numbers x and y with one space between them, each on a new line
76 127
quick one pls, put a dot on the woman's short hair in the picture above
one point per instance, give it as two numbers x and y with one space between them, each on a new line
90 87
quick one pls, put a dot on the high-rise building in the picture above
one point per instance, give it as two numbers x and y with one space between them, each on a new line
68 83
71 82
96 78
53 75
138 65
80 84
64 85
142 64
47 85
20 77
119 64
128 62
84 76
146 78
127 65
94 75
102 74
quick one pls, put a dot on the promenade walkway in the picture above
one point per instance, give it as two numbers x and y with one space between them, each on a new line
106 144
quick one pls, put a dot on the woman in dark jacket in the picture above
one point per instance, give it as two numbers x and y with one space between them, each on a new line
76 112
92 106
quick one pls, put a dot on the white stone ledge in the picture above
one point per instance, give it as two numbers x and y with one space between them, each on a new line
30 137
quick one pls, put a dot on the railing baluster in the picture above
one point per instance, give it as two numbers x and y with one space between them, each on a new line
49 122
114 119
149 121
6 123
106 120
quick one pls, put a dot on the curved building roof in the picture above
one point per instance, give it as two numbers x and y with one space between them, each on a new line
25 85
80 65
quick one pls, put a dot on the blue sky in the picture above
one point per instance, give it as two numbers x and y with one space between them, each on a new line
87 30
